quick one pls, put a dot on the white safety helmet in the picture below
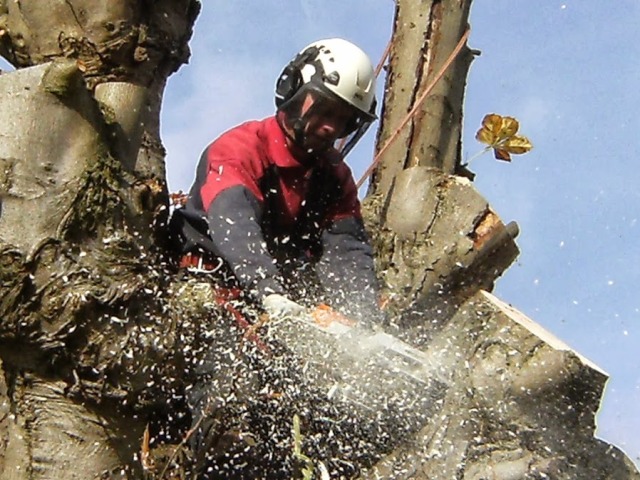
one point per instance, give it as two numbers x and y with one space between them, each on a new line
334 68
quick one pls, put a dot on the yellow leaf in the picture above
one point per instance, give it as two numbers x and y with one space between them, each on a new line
495 128
508 127
517 145
500 134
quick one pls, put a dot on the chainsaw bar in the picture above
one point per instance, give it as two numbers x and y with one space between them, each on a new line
370 374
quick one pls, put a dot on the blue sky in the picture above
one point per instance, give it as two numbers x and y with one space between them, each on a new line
566 69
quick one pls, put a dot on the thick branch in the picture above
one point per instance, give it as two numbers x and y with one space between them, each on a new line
424 36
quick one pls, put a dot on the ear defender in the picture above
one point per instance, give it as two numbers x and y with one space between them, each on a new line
290 80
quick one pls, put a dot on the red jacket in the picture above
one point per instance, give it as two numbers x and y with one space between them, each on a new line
258 208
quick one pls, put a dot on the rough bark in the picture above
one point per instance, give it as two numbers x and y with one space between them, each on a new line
439 241
520 405
125 50
85 344
425 33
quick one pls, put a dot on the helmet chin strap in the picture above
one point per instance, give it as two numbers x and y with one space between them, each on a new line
298 128
294 131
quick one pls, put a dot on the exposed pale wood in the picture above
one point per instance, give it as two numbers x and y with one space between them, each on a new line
521 404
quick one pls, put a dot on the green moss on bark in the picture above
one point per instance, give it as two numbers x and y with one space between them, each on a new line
98 206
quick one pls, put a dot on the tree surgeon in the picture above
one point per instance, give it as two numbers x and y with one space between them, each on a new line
273 203
273 212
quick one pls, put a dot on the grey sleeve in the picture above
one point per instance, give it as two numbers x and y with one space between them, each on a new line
234 226
346 270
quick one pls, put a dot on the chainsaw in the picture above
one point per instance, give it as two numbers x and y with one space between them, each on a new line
369 373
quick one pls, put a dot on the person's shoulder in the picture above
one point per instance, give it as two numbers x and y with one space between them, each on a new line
245 129
240 140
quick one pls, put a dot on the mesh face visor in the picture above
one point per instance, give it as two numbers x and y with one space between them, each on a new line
324 102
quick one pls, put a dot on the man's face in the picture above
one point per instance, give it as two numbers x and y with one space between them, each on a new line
326 123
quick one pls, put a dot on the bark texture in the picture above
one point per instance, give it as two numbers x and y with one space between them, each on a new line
517 403
439 241
86 347
124 50
425 33
436 239
520 405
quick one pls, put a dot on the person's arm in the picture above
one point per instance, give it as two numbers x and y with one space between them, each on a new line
233 204
234 226
346 269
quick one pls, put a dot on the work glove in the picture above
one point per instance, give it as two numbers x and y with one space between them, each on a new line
372 318
279 307
324 316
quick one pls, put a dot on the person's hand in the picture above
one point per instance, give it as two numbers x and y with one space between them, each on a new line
278 307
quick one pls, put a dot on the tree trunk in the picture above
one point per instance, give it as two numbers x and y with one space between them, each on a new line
425 34
518 404
84 341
